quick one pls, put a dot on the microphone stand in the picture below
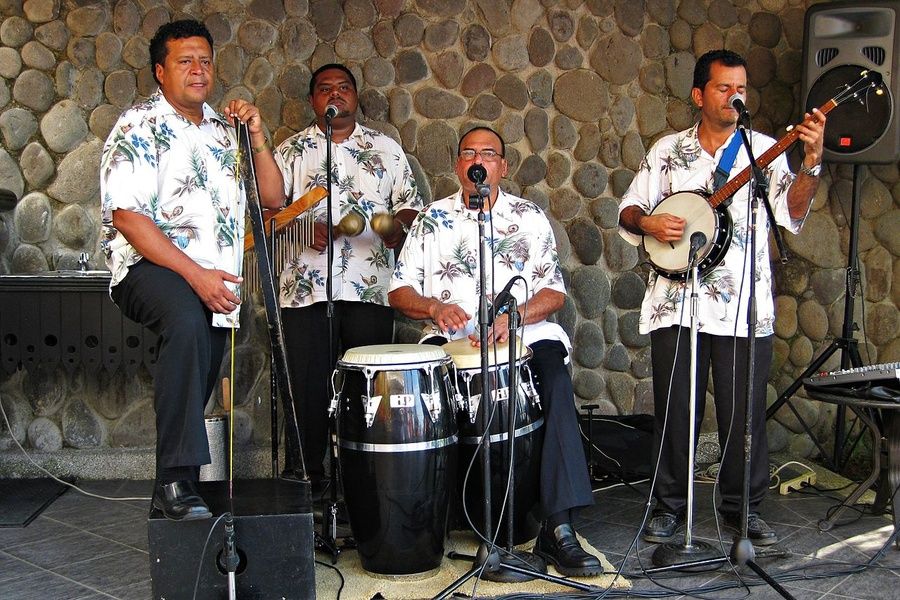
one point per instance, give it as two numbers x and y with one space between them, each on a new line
327 539
487 563
742 551
691 554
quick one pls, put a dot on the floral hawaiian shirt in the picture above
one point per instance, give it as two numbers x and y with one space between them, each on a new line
678 163
370 174
182 176
440 257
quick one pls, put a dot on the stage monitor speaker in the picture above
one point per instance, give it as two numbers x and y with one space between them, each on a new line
273 525
840 40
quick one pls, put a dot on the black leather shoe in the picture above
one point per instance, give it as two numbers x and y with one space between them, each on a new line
662 527
180 501
561 549
758 531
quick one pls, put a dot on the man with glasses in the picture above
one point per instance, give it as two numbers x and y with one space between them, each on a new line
437 279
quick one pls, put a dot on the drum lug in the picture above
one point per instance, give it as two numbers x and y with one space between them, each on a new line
332 408
460 401
530 389
528 394
474 401
371 403
433 404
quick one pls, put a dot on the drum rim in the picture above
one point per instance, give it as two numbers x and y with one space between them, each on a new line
397 353
436 362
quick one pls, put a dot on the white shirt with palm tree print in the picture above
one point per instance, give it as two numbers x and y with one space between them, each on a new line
678 163
370 174
440 258
184 178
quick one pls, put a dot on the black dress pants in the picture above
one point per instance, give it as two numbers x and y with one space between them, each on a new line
729 370
306 343
565 483
189 356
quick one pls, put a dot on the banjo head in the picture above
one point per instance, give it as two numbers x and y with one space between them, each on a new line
670 259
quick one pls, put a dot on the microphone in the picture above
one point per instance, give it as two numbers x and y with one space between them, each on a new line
698 239
501 301
477 174
737 102
331 111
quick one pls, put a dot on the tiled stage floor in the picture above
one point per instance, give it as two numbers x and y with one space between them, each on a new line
86 548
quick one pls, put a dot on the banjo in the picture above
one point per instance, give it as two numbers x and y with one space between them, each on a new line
709 213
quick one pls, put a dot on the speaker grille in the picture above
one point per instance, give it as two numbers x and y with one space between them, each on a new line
825 56
874 54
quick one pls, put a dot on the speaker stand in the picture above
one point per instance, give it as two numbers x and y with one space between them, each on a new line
847 344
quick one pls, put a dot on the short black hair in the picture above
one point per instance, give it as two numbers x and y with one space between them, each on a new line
328 67
705 62
175 30
482 128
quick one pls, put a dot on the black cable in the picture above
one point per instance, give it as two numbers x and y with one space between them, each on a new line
339 574
203 554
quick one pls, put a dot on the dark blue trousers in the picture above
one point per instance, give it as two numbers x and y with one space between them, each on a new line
189 356
565 483
729 370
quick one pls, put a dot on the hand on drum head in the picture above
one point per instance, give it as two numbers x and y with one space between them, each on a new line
498 332
449 316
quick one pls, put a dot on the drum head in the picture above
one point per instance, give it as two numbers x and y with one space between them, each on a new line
393 354
467 356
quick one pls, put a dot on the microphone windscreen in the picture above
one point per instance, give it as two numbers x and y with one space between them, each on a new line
477 174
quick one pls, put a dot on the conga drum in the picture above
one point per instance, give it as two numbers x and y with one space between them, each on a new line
529 438
396 441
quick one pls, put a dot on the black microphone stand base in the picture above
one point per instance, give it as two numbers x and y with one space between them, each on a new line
487 564
498 569
696 556
743 553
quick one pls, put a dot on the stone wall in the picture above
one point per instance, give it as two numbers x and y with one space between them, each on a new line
578 88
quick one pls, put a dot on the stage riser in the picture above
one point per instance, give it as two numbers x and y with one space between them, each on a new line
276 550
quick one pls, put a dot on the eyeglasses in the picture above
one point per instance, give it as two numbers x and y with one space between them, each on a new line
485 154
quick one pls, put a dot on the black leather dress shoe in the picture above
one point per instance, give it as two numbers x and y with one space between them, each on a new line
560 548
180 501
758 531
662 527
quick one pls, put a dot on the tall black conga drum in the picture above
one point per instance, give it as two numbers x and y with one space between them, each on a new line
529 439
396 439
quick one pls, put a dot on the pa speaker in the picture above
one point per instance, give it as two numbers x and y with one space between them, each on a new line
840 40
273 525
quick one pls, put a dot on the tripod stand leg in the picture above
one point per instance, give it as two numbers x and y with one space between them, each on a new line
768 579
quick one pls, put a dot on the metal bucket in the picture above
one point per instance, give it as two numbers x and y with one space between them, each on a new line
217 434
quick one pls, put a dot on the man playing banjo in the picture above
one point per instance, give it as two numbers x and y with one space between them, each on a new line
684 162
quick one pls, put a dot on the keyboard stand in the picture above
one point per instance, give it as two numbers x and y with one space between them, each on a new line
882 418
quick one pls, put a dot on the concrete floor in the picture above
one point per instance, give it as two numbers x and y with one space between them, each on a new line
86 548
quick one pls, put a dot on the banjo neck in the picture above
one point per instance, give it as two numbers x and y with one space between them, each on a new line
729 189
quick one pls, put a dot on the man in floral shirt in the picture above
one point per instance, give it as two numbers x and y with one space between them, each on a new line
437 279
686 161
370 175
173 222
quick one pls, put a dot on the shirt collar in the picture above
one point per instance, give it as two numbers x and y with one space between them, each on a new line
459 205
165 108
356 133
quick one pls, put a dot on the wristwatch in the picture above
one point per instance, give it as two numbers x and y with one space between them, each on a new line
811 171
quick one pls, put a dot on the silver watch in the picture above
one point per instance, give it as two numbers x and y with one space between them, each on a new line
811 171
